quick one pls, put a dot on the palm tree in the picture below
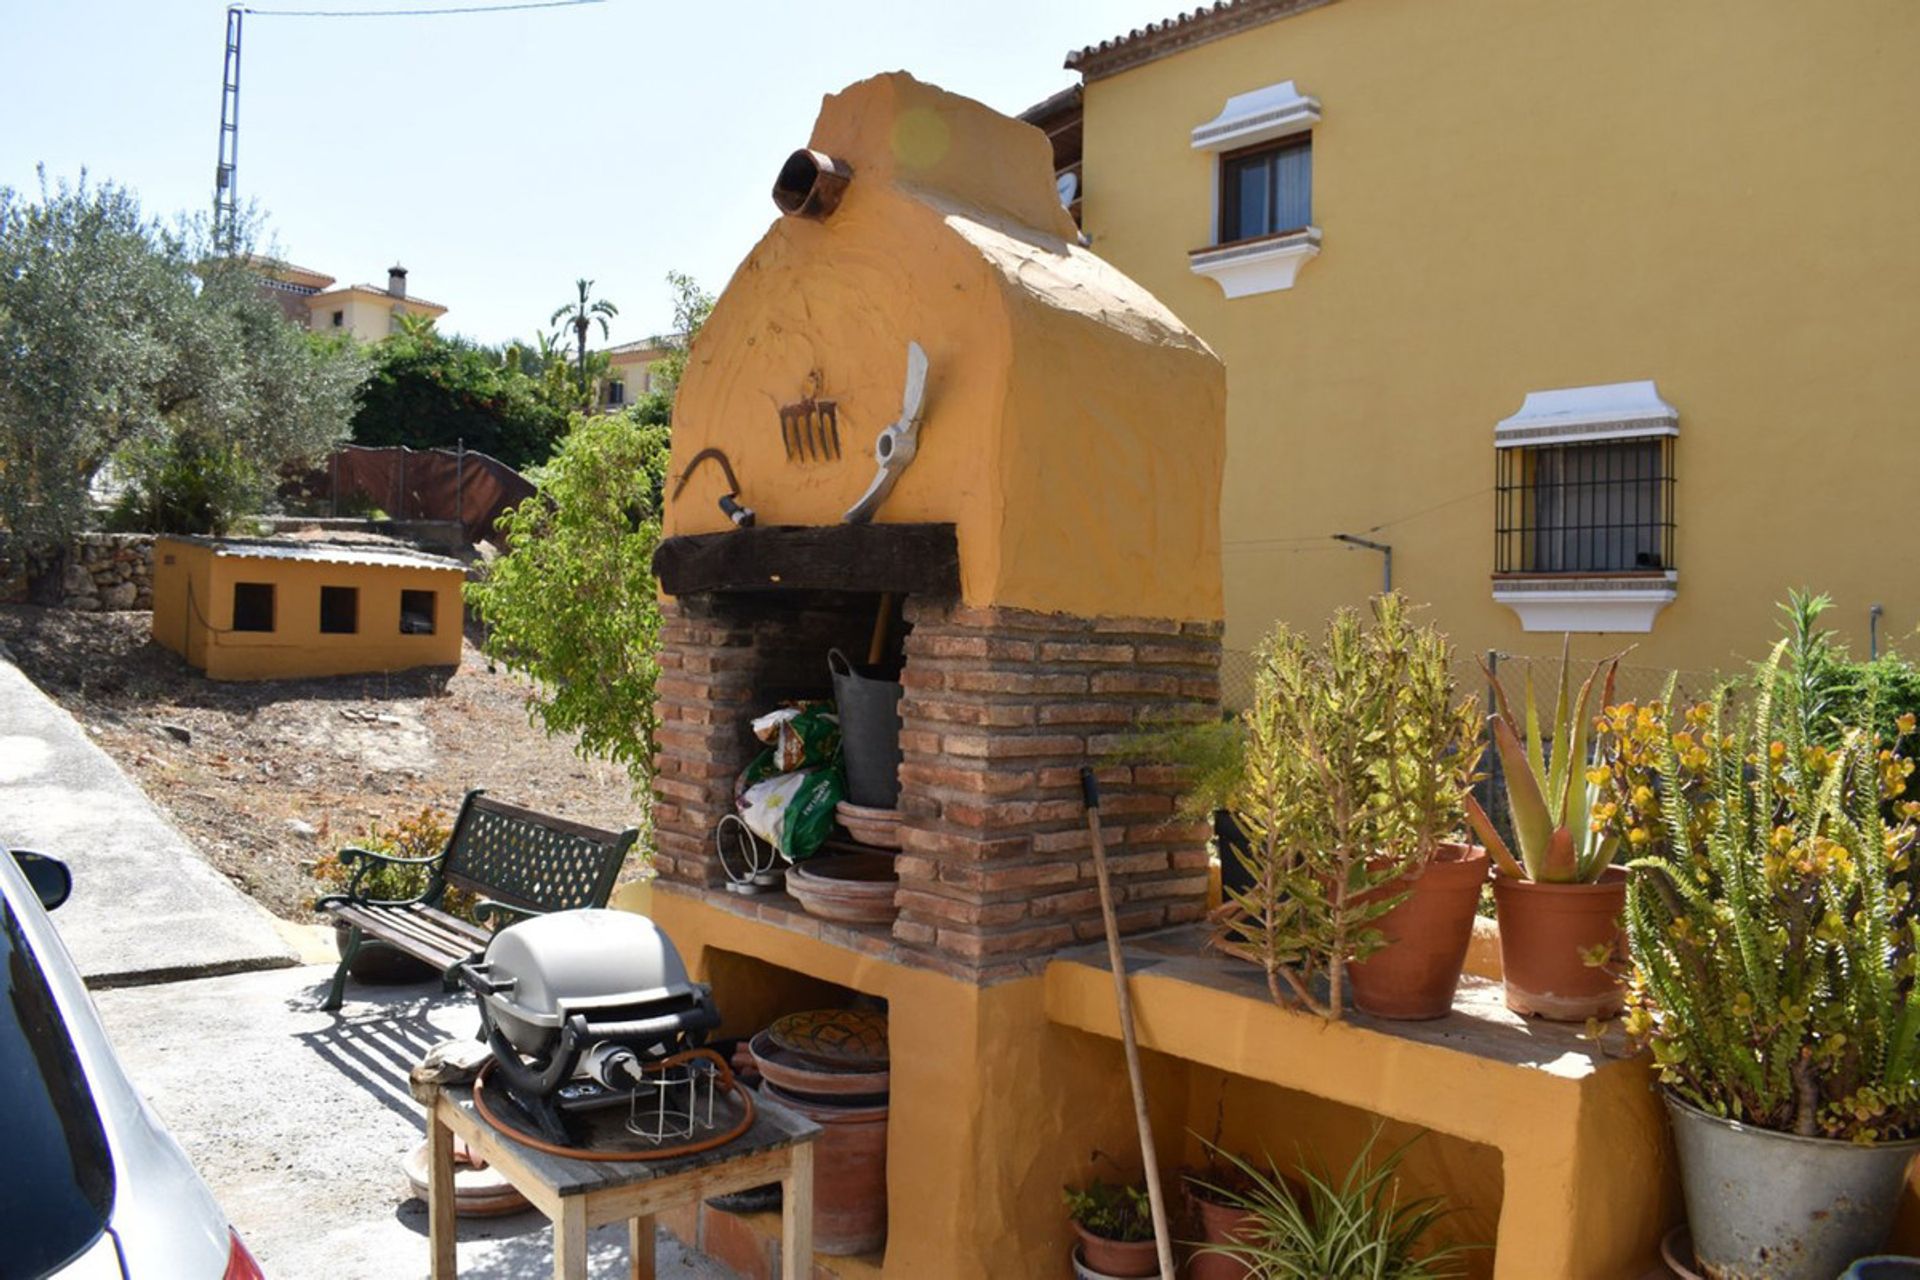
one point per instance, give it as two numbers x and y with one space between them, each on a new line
418 327
581 315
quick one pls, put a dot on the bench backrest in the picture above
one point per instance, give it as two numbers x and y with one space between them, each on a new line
531 860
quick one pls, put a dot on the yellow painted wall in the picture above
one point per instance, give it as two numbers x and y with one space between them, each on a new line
1073 428
368 314
199 628
1526 194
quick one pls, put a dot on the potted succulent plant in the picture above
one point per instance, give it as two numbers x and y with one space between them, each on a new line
1115 1225
1353 762
1559 897
1774 938
1428 762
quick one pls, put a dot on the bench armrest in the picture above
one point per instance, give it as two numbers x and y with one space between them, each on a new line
369 858
486 908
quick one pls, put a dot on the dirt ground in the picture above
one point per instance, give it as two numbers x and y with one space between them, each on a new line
264 778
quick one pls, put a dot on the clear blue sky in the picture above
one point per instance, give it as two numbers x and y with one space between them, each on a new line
500 156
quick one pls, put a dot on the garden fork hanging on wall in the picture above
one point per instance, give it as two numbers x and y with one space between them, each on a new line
810 428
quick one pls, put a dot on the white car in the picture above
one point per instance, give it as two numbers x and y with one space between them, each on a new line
91 1186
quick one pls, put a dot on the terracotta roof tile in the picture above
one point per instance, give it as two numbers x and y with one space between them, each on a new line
1182 31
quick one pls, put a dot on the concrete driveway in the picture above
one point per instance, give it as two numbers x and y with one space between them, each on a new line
300 1119
145 906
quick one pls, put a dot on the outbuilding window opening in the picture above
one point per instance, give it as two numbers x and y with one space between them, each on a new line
1592 507
417 612
253 606
339 610
1267 189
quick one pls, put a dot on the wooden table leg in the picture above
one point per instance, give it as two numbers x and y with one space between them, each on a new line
440 1202
640 1247
570 1240
796 1213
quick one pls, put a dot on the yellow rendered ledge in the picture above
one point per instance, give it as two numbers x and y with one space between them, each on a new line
1589 1184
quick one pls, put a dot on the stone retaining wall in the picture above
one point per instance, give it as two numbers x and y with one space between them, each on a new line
104 571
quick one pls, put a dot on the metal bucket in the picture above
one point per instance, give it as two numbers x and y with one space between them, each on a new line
1775 1206
869 733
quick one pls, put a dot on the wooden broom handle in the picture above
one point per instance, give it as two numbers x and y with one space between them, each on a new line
1162 1237
877 647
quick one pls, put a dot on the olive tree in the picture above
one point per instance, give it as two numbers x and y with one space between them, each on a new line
127 342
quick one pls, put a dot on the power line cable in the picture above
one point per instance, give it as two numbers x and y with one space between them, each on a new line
415 13
1375 528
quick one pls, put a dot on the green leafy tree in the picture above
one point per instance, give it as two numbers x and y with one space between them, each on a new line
691 307
580 315
573 603
430 392
126 342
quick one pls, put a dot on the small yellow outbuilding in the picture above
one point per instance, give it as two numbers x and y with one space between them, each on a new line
266 609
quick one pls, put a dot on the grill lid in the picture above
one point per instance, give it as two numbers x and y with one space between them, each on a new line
583 957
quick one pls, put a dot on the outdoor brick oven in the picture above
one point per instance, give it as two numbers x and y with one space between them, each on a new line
1048 564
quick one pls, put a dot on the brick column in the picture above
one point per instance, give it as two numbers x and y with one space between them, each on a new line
705 697
1002 708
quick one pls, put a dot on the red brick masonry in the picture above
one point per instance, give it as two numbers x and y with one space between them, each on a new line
1002 708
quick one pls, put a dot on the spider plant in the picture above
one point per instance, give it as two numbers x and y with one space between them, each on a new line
1355 1229
1549 794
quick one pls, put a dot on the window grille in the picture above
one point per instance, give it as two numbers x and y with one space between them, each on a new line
1591 507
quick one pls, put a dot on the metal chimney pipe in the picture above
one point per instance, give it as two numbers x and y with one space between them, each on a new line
810 184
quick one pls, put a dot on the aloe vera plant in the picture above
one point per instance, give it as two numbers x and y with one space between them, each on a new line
1549 793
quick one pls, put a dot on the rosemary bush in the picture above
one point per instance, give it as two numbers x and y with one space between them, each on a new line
1770 911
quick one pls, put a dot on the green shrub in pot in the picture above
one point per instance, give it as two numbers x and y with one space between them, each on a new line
1353 761
1358 1226
1775 943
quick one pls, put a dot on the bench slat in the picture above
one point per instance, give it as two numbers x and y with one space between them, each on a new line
411 935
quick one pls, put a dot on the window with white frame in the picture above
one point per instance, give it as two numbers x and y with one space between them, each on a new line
1584 508
1263 231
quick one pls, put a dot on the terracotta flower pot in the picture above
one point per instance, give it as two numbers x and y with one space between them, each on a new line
849 1172
1546 931
1415 974
1118 1257
1219 1224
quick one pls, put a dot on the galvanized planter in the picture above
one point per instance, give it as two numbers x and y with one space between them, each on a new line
1764 1205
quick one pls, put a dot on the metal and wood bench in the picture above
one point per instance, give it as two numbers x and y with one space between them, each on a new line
519 863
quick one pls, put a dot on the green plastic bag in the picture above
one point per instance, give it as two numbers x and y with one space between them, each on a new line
794 811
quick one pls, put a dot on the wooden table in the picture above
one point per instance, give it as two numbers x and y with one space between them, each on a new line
578 1195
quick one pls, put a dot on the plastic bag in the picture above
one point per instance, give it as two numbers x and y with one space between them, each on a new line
800 736
794 812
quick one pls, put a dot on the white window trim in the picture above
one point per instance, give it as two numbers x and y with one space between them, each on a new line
1622 602
1257 266
1587 602
1265 264
1259 116
1570 415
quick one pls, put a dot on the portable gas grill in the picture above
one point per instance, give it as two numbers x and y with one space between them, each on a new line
579 1009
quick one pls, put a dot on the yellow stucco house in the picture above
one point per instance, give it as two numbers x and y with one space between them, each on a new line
630 373
1601 317
269 609
367 312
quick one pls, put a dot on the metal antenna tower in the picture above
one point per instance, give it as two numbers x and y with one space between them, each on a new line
225 206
